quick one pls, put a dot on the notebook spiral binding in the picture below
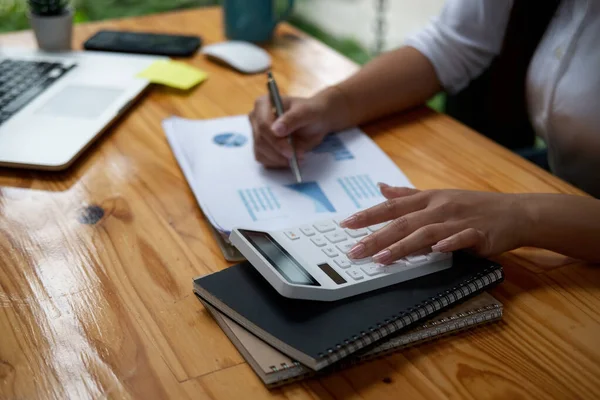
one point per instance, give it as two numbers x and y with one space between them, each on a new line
396 322
459 320
284 366
493 311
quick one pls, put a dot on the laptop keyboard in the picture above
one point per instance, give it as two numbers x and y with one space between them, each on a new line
22 81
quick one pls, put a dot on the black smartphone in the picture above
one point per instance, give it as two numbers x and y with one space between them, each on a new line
144 43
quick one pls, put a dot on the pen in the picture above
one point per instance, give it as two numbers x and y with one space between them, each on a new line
276 101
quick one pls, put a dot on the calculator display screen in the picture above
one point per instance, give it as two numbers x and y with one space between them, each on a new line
279 258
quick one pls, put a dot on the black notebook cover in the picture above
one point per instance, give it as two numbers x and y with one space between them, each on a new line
320 333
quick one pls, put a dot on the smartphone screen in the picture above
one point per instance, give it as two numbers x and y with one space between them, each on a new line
144 43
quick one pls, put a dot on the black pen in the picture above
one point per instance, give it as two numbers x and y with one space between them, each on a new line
276 101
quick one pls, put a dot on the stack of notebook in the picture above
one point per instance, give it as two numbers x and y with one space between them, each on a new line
285 339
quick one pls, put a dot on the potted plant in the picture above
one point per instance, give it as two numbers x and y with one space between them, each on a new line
52 23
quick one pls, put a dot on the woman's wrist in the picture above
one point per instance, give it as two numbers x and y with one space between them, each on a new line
562 223
338 108
528 221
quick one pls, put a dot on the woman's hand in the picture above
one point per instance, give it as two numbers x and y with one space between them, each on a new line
443 220
309 119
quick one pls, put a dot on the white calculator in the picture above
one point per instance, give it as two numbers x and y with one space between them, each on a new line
309 262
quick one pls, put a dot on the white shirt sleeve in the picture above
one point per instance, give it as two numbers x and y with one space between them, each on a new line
462 41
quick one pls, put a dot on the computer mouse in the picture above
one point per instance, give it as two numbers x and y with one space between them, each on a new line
242 56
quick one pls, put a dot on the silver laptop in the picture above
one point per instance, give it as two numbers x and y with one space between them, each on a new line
52 106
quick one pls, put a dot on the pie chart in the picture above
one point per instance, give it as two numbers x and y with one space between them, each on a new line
230 139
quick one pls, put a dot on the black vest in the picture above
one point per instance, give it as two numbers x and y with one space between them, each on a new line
494 104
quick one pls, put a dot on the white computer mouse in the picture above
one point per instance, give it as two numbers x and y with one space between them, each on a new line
242 56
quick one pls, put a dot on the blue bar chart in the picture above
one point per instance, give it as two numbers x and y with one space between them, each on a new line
259 202
360 189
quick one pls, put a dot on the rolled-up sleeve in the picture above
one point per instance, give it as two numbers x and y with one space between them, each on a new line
462 41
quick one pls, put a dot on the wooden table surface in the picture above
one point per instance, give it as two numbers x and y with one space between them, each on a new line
105 309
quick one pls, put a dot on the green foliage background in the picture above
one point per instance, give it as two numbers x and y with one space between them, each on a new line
13 17
13 13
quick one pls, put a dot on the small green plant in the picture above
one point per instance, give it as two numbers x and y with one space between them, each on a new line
48 8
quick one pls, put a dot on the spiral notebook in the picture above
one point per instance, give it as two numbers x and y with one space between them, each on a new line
276 369
319 334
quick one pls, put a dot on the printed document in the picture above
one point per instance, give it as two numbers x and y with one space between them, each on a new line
340 176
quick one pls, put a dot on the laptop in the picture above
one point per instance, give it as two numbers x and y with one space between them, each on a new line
53 105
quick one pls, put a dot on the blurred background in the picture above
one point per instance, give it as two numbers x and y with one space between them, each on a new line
360 30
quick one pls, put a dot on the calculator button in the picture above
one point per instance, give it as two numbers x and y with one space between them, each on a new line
336 237
307 230
415 263
401 263
398 266
338 221
375 228
319 241
372 270
437 256
343 263
345 247
325 226
330 251
355 233
361 261
292 234
355 274
416 260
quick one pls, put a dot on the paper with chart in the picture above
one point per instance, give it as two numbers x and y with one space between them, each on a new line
340 175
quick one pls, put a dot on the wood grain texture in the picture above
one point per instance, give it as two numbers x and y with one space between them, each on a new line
105 309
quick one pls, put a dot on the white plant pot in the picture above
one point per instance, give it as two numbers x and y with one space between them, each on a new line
53 33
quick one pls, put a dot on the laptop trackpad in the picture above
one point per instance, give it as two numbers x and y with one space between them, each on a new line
77 101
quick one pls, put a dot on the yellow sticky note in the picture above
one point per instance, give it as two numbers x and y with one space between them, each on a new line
173 73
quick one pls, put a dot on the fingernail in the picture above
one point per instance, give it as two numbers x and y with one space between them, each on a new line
441 246
287 153
383 256
348 221
278 128
382 185
356 251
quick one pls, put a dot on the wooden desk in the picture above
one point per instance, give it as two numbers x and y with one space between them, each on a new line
105 309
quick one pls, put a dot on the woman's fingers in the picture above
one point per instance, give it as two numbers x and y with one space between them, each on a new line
391 192
263 110
440 220
268 139
294 118
264 152
386 211
420 239
396 230
268 148
306 141
444 237
269 157
466 239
